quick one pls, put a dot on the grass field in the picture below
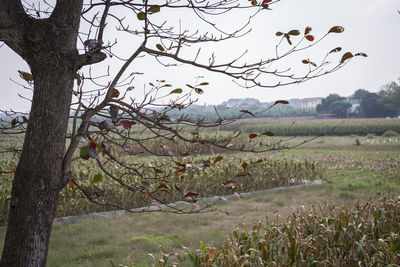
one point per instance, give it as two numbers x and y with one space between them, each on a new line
351 173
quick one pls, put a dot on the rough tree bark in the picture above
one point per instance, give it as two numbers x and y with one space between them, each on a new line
49 47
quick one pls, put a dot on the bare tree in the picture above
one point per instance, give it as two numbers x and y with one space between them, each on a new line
58 39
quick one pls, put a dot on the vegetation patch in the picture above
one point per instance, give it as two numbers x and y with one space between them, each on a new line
315 127
246 172
367 234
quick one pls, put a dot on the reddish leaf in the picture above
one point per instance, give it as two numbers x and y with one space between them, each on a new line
238 195
229 182
179 106
71 184
163 187
251 136
127 124
92 144
266 1
268 133
14 170
310 37
114 93
78 81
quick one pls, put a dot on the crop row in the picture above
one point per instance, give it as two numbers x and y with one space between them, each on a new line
203 176
310 127
367 235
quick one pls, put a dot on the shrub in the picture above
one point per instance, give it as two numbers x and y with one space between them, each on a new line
390 133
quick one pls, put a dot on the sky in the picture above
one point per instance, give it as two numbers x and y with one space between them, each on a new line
371 26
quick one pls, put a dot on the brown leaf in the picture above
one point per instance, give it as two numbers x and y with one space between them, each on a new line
268 133
251 136
114 93
228 182
248 112
346 56
216 159
245 166
26 76
281 102
336 29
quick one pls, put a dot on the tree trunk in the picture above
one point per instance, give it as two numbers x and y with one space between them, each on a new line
49 47
39 179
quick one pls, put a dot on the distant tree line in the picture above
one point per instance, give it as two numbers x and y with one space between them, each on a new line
364 104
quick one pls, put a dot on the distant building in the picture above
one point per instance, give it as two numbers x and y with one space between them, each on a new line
241 103
295 103
355 105
310 102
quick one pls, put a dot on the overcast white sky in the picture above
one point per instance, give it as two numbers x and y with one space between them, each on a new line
371 26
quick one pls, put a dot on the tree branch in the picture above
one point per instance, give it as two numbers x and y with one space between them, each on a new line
89 59
12 21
